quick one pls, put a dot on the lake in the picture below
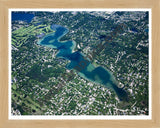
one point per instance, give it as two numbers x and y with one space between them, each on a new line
22 16
79 61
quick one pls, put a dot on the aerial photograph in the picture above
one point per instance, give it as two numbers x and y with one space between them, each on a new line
80 62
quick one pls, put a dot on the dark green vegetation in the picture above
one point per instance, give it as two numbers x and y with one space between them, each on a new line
41 84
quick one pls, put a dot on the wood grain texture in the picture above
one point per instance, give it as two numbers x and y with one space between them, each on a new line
6 4
78 3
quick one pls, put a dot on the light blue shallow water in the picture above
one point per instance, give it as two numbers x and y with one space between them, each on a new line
79 62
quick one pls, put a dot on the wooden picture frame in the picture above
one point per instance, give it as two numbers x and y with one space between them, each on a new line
4 56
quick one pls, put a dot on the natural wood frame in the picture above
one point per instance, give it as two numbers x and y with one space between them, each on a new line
4 9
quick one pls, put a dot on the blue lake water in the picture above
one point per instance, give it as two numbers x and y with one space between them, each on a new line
79 62
22 16
134 30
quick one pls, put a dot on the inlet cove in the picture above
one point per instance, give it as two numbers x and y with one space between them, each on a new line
79 61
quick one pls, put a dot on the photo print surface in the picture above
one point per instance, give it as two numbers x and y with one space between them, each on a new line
79 63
